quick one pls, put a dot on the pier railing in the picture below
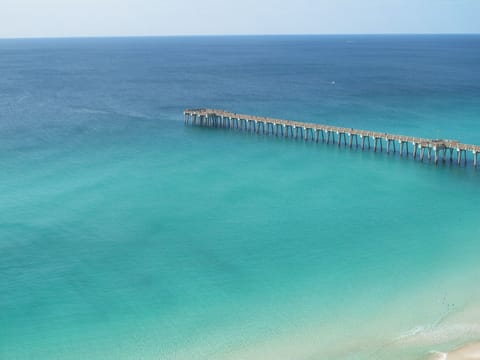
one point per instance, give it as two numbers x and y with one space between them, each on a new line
336 135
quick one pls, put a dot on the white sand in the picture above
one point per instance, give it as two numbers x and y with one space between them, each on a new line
467 352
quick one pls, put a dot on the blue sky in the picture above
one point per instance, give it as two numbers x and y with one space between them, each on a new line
58 18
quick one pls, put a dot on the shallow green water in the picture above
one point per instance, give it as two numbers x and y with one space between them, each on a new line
125 234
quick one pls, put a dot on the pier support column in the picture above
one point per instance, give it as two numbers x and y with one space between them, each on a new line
436 155
328 137
374 144
350 140
316 135
363 141
459 156
422 152
305 135
388 145
401 148
339 136
429 153
474 158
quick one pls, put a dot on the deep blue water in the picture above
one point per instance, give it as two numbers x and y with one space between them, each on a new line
125 234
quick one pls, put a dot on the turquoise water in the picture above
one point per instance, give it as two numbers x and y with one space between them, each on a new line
125 234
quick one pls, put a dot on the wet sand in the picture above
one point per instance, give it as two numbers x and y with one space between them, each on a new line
467 352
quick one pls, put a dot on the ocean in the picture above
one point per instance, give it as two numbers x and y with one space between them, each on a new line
125 234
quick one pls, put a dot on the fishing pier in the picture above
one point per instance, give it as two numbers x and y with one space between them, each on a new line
433 149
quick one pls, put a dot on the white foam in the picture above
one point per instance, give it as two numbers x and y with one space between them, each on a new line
412 332
438 355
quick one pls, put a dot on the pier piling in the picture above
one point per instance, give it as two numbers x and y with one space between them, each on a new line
227 120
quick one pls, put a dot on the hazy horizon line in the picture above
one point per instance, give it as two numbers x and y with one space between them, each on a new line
228 35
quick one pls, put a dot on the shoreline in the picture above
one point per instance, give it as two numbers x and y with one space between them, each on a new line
469 351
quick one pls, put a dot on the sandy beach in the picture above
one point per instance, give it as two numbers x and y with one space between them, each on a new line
467 352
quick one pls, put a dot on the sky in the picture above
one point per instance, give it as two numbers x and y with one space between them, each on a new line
66 18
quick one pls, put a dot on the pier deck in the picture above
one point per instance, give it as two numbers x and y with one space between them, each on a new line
336 135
